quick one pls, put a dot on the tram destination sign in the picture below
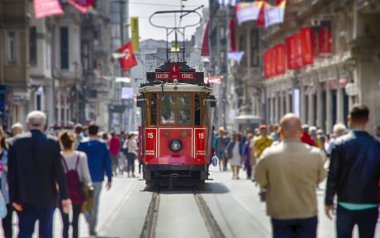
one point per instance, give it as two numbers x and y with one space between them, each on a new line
171 71
180 76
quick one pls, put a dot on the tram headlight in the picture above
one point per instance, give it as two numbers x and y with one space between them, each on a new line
175 145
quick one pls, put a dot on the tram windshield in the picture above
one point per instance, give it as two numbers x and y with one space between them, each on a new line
176 110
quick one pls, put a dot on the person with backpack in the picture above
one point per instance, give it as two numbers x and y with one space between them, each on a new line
77 173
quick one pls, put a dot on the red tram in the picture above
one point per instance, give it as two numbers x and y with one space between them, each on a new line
176 127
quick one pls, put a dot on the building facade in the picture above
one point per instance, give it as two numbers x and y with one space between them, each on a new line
319 92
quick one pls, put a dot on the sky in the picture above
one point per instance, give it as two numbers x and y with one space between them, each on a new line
144 8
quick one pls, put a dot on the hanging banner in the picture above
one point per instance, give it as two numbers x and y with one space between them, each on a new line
270 63
227 3
215 79
316 46
297 49
306 35
280 61
325 39
135 34
290 54
126 93
45 8
248 11
232 34
274 14
236 56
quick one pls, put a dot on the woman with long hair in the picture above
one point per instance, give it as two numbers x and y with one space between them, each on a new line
234 152
72 161
131 146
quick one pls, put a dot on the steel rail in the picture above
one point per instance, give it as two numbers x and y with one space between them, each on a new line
150 225
210 222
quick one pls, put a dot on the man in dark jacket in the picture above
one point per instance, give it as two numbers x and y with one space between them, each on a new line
353 176
35 170
99 163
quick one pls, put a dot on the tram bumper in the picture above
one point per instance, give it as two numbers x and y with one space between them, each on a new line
162 172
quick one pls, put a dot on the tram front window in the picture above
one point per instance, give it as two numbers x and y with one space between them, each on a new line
184 110
168 110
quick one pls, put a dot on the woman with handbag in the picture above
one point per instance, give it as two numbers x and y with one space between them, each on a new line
77 175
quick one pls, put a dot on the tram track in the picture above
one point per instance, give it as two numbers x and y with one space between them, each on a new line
150 225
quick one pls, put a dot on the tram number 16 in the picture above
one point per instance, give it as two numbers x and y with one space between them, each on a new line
150 136
201 136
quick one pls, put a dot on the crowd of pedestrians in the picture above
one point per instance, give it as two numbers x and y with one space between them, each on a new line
289 160
41 172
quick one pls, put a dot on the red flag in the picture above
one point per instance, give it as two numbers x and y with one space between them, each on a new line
307 45
261 20
82 5
205 45
44 8
128 59
280 59
325 38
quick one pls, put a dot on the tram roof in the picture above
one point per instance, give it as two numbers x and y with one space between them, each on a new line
172 87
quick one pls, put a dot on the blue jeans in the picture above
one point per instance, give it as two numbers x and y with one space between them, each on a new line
347 219
93 218
291 228
28 217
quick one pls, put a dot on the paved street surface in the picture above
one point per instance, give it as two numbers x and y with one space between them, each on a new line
234 204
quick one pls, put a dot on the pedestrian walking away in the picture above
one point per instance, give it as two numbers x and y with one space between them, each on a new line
291 198
353 176
131 147
35 171
77 175
99 163
114 148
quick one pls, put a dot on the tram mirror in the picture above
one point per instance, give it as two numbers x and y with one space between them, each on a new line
140 101
211 100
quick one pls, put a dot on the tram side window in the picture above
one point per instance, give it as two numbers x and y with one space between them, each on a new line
153 106
197 110
184 110
168 110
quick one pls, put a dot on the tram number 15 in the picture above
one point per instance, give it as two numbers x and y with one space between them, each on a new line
150 135
201 136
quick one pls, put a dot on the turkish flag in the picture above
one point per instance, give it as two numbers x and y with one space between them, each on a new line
273 68
306 36
280 59
261 19
128 59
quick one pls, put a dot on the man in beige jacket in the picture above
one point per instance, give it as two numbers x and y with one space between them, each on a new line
291 171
